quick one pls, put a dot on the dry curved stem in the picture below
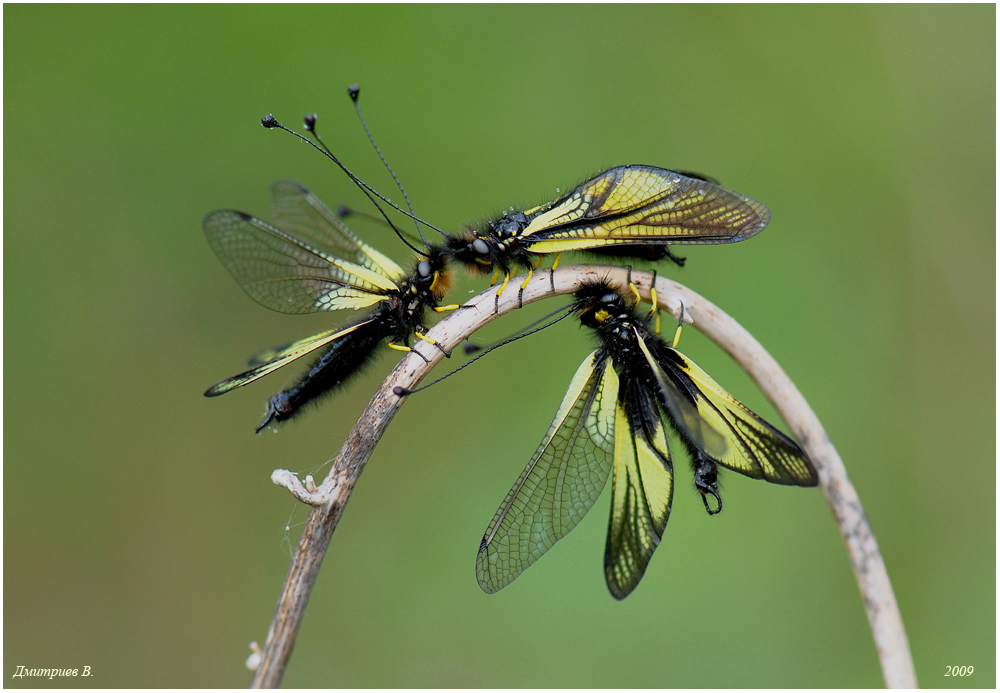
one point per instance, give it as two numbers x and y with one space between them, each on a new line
330 498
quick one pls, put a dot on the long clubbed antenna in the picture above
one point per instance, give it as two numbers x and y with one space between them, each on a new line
402 391
270 122
473 348
354 91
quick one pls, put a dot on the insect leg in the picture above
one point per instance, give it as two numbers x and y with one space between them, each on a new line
520 293
496 302
655 307
652 295
555 263
447 354
633 287
397 347
679 261
680 324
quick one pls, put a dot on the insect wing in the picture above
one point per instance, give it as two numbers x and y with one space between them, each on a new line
701 431
699 176
287 274
642 205
755 447
561 482
264 355
642 492
281 357
303 215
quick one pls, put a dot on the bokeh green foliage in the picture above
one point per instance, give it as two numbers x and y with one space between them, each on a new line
142 536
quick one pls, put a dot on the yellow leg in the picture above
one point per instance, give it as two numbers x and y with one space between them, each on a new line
520 291
395 346
445 309
552 272
506 278
677 332
493 279
496 297
527 279
654 308
447 354
635 290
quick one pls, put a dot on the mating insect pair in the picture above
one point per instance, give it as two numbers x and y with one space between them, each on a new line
309 261
615 420
625 399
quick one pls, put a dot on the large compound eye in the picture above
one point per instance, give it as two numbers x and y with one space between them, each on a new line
609 298
424 269
480 246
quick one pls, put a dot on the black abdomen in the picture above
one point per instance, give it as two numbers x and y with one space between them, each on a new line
653 253
341 360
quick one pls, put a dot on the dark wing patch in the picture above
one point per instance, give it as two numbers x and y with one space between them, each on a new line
755 447
643 488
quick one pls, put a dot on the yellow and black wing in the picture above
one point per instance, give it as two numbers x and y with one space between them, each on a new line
264 355
642 492
561 482
702 432
286 273
279 356
301 214
643 205
754 447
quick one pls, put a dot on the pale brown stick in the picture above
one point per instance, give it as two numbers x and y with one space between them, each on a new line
869 568
331 497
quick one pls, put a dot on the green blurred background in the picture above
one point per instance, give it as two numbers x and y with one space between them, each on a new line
143 537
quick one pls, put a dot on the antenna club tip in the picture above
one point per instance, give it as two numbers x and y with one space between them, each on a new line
343 211
353 91
310 122
400 391
269 121
470 348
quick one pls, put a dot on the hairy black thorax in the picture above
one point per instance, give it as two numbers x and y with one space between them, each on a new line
495 245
